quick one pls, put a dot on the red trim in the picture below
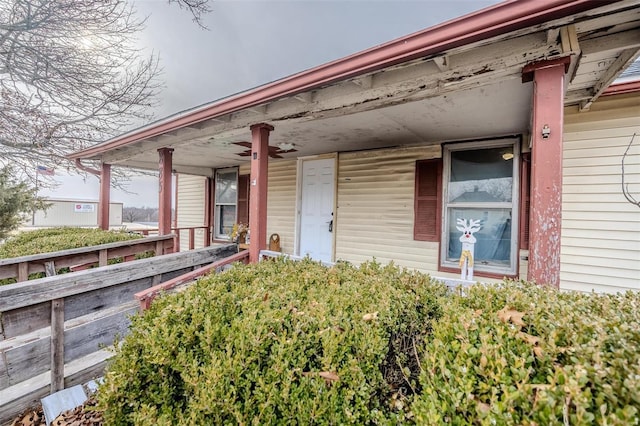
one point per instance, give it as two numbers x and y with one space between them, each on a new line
258 194
546 176
527 71
433 201
208 209
499 19
477 273
175 211
105 197
145 297
621 88
525 200
164 194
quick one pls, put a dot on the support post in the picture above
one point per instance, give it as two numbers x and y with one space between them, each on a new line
546 173
57 345
258 194
105 197
165 165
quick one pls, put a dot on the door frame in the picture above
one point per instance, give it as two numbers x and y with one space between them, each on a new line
297 233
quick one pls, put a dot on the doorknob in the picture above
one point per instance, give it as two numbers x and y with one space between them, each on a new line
331 225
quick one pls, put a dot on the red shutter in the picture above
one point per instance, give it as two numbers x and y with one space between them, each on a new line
243 199
428 199
525 199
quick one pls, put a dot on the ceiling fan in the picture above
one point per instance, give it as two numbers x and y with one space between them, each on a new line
274 151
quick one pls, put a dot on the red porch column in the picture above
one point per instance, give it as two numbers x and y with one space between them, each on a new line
105 197
258 193
165 165
546 172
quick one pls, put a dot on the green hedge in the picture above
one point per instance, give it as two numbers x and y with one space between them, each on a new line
55 239
519 354
275 343
296 343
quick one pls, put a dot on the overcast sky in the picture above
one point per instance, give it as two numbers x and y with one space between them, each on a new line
249 43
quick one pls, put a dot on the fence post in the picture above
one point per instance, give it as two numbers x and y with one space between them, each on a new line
192 238
57 345
23 271
103 258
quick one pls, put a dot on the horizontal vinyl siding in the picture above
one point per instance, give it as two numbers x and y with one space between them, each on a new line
375 208
281 203
600 229
190 202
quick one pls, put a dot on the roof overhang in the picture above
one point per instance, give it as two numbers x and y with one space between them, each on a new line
453 81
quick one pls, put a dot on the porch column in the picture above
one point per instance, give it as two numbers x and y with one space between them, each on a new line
165 165
546 173
258 193
105 197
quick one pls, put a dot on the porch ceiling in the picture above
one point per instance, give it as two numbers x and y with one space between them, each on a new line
472 91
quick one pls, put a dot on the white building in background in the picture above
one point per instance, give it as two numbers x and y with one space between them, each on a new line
73 212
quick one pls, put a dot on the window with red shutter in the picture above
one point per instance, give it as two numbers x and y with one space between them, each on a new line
480 182
427 200
243 199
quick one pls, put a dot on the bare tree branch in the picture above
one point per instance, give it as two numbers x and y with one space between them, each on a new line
625 187
197 8
71 76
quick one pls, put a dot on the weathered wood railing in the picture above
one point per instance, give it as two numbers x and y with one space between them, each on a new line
145 297
179 231
52 329
21 267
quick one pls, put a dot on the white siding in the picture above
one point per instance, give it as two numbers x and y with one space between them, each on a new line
63 213
191 208
281 202
600 228
375 208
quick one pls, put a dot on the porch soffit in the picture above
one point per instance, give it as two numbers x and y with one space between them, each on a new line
473 91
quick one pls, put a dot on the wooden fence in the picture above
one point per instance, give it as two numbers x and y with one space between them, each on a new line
53 329
82 257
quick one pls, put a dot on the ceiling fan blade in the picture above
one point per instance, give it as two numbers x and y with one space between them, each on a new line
244 144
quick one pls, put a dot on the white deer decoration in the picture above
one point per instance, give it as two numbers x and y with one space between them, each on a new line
468 243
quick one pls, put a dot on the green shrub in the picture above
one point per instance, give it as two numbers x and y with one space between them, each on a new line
519 354
264 344
276 343
55 239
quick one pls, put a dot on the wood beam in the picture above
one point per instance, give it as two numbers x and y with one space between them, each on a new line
612 43
442 62
615 69
366 82
552 35
259 109
164 193
305 97
105 197
258 194
546 175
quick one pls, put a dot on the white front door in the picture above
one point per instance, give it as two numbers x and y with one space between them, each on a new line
316 209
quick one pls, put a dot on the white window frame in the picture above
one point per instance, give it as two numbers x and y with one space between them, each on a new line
216 210
513 205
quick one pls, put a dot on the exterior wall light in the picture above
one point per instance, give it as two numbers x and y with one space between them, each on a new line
546 131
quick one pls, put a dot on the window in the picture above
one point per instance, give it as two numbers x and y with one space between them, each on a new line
226 200
481 183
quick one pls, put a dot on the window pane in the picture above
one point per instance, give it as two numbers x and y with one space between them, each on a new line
481 176
226 187
226 219
493 241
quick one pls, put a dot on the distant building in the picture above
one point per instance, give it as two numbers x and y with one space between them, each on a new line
72 212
